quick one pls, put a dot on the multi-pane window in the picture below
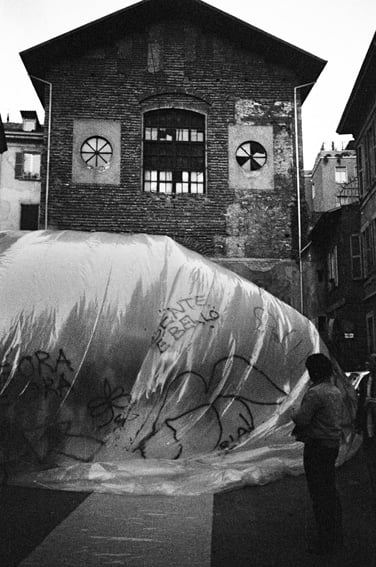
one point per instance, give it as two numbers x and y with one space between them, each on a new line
174 152
366 158
370 153
27 166
160 181
356 256
341 174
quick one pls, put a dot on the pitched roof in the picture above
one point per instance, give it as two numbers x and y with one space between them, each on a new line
12 126
362 97
39 58
326 222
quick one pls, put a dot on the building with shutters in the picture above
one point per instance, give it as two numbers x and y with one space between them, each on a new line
176 118
359 119
333 268
20 173
333 179
333 283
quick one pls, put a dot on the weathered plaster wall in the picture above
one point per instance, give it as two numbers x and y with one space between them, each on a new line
323 177
279 278
14 192
84 130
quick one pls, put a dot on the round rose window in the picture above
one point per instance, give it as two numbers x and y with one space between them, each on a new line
251 156
96 152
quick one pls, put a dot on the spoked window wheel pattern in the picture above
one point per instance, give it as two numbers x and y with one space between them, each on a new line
251 156
96 152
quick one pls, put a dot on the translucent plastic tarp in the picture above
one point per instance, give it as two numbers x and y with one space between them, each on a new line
131 364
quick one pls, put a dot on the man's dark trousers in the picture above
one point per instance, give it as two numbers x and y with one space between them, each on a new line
319 467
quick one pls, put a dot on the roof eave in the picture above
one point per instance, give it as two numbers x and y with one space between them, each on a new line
365 83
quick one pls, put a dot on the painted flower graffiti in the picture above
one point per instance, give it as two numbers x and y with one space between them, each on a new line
228 405
102 408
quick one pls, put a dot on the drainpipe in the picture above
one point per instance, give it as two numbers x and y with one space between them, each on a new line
48 147
298 191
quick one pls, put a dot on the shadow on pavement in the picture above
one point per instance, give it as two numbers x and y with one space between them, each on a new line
262 526
27 516
270 525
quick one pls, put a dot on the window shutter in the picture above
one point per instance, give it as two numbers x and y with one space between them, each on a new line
18 168
332 260
335 265
356 256
370 327
364 253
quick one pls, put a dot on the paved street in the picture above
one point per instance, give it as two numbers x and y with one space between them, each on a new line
253 526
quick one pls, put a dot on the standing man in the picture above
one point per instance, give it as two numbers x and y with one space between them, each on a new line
366 421
318 426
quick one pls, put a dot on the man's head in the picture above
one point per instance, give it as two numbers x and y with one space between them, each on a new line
319 367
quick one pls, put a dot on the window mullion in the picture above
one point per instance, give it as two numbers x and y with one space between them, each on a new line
175 151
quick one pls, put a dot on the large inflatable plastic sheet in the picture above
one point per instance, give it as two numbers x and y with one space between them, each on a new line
131 364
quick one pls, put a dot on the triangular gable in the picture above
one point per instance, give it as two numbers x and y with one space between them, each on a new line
38 59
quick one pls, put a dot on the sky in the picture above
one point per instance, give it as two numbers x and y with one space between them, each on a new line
338 31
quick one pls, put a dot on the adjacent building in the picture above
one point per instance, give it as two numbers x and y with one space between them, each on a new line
176 118
332 264
332 180
20 173
333 283
359 119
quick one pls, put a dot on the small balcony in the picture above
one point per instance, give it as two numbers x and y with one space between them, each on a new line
349 192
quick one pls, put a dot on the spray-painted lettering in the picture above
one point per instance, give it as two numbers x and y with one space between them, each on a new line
39 372
177 319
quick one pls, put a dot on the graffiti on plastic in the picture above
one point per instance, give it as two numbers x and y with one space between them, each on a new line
213 414
103 407
178 318
40 372
228 405
267 322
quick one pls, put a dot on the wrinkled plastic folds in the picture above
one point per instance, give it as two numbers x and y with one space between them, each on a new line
131 364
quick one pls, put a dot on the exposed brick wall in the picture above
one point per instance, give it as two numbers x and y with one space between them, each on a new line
196 71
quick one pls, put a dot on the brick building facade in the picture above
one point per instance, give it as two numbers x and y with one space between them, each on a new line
175 118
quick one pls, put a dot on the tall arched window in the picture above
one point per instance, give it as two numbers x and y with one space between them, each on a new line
174 151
